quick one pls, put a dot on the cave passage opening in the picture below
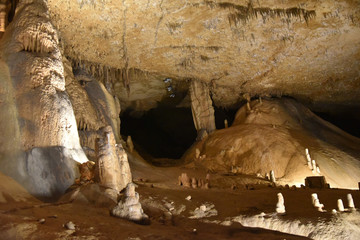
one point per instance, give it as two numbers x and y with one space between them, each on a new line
163 132
346 121
166 131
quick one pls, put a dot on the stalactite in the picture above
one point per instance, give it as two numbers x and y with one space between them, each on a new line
109 75
242 14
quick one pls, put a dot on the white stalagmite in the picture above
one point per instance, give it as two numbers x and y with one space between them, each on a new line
340 205
313 166
308 158
280 206
316 202
350 201
272 176
314 196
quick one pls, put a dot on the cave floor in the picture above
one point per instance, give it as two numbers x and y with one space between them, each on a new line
169 211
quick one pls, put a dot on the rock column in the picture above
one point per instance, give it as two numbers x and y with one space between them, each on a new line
201 107
112 168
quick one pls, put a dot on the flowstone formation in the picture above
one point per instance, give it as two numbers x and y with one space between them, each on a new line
39 142
272 136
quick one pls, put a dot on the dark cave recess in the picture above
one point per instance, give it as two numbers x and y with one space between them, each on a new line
346 121
163 132
166 131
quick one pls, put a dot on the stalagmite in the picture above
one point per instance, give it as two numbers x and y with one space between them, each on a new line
340 205
316 202
308 158
280 207
272 176
2 17
130 144
201 107
248 99
313 163
350 201
226 124
184 180
129 207
194 183
112 168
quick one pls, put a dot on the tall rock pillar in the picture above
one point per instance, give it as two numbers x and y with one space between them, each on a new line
201 107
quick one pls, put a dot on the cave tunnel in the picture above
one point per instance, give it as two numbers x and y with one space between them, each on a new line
347 122
163 132
166 131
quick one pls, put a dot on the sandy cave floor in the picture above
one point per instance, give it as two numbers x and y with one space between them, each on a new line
156 193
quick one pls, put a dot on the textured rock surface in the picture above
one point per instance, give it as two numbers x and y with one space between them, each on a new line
273 136
201 107
112 167
40 143
308 49
129 206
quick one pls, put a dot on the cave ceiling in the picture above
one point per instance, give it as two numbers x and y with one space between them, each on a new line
309 50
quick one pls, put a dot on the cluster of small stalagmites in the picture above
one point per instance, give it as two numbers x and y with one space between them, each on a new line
340 204
311 163
129 206
184 180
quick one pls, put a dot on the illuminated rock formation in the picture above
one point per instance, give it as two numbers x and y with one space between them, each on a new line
272 137
129 207
201 107
39 141
112 167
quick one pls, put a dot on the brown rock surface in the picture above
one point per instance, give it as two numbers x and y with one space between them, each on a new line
309 50
274 136
112 167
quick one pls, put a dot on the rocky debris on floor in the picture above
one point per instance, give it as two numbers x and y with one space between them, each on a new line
42 220
129 207
205 210
70 225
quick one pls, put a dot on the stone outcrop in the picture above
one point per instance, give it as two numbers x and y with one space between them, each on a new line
307 50
201 107
39 142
